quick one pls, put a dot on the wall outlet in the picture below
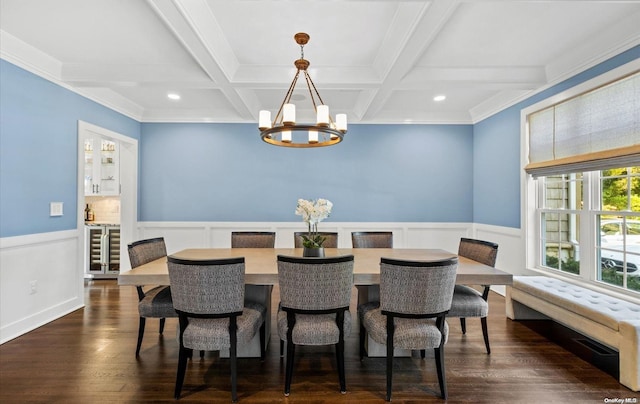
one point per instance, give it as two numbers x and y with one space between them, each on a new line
34 287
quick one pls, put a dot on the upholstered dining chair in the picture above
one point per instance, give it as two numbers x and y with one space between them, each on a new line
331 239
314 294
467 301
155 302
372 239
208 296
253 239
415 297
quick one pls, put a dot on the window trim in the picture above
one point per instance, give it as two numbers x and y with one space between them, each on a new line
529 194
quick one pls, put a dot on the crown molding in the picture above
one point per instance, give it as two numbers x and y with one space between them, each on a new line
27 57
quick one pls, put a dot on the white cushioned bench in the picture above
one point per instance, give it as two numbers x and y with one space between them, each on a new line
610 321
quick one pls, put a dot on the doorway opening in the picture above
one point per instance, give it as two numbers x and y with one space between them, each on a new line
114 190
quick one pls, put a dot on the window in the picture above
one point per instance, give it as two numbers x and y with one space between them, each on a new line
613 244
581 199
559 221
618 239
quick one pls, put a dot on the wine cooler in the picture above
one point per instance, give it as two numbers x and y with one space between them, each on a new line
102 251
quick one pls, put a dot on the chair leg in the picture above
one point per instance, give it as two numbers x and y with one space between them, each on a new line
291 322
162 325
140 335
233 357
485 333
390 331
263 341
340 353
281 348
363 336
340 361
463 325
439 354
183 355
289 367
423 353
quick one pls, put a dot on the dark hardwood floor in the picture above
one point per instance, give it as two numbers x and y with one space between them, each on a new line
88 357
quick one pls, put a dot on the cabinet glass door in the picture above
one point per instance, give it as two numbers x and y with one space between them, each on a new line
101 167
95 249
88 167
113 265
109 168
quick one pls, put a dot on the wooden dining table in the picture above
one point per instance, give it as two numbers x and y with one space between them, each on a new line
261 274
261 266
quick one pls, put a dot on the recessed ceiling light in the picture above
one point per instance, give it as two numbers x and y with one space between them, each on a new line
173 96
440 98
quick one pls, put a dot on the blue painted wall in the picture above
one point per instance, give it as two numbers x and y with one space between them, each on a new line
38 149
496 151
224 172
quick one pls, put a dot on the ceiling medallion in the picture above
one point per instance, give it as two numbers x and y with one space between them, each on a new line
284 131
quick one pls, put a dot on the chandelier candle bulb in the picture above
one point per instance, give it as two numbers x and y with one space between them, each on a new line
341 122
322 115
289 114
286 136
313 136
264 120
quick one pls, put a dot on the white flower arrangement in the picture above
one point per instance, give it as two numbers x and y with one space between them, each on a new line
313 212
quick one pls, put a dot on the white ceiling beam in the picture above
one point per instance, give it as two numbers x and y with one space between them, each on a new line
502 74
166 85
327 76
135 75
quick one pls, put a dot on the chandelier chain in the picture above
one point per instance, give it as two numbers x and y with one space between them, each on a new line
287 98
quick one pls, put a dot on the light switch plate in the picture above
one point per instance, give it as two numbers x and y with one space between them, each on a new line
55 209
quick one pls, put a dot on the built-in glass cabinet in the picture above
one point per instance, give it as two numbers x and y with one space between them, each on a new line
101 167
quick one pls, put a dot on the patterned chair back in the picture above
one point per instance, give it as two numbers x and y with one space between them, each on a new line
485 252
253 239
417 287
207 286
145 251
315 283
372 239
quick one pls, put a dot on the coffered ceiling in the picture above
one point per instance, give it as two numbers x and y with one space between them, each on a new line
379 61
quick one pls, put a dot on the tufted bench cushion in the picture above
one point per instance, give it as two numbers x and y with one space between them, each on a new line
596 306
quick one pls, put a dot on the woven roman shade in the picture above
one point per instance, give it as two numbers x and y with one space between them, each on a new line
596 130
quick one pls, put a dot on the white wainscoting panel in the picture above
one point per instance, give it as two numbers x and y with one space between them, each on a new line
181 235
40 280
510 249
445 236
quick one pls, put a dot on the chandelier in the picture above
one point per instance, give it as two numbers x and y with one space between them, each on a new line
284 131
